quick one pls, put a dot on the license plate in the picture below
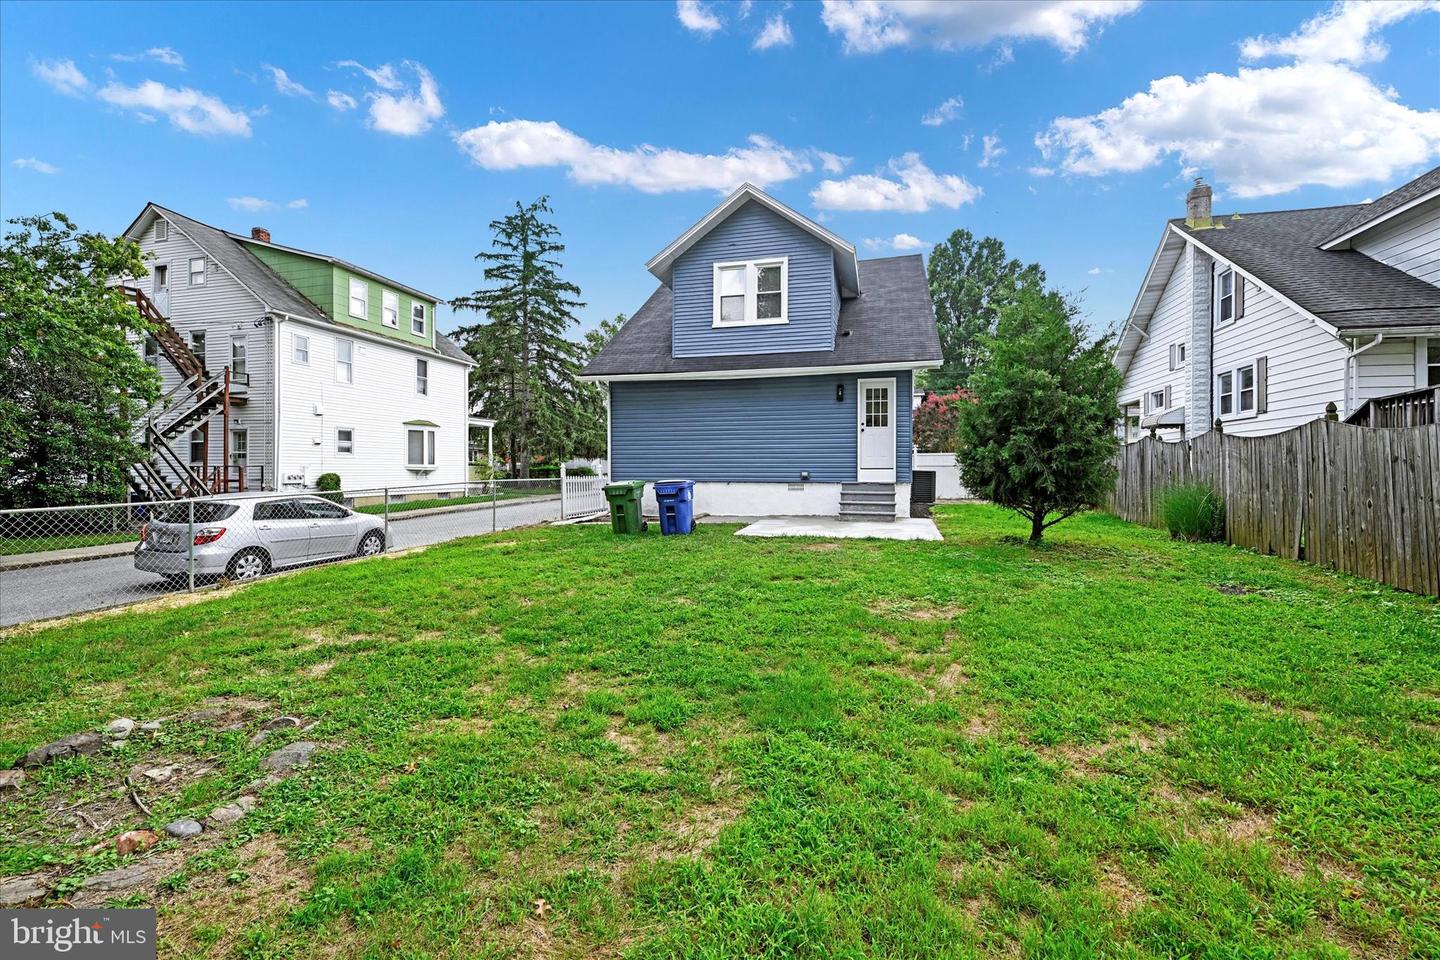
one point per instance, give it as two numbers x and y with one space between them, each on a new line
167 539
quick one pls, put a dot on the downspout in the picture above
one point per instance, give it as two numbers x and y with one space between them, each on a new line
1352 372
275 401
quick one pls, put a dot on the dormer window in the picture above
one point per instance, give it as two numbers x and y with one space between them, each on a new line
751 292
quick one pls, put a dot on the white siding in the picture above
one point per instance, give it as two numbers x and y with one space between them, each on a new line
1409 242
1306 364
221 307
1150 367
376 406
1388 367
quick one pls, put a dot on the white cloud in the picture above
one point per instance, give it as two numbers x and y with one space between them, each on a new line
166 55
1097 271
869 26
916 189
186 108
33 163
992 151
398 110
513 144
1263 131
382 76
285 85
775 33
696 17
901 241
745 7
62 75
944 113
832 162
1342 34
249 204
1040 171
300 204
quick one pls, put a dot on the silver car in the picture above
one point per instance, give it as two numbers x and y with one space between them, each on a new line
245 538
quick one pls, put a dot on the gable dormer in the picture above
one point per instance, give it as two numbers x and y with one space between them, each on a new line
754 276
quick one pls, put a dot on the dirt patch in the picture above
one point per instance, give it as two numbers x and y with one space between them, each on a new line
264 885
915 610
1233 589
951 678
696 830
1250 826
828 546
1118 888
1084 758
465 726
317 670
982 724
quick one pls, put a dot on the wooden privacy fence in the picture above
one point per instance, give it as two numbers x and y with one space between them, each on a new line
1365 501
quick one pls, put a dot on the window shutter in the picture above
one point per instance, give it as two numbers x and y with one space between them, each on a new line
1172 356
1262 370
1167 396
1239 296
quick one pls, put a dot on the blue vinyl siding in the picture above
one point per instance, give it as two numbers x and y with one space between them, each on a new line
751 233
749 430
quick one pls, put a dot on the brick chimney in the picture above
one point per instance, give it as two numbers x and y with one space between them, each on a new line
1197 205
263 235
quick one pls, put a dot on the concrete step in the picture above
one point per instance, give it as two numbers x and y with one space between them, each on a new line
867 511
847 496
867 487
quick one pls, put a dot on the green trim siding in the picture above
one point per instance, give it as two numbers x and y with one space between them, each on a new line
328 287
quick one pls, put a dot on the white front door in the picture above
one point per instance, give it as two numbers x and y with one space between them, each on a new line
876 447
160 288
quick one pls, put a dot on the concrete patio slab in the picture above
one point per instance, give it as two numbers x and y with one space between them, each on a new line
910 528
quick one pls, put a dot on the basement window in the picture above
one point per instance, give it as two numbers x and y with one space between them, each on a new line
751 292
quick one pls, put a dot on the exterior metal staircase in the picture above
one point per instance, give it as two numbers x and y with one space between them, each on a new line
867 501
164 474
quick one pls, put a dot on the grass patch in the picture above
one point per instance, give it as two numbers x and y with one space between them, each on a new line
563 743
12 546
431 502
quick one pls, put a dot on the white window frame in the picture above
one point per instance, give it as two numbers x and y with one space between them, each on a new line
752 273
1235 392
417 323
162 229
1130 422
390 308
239 360
363 296
427 447
1220 297
300 349
345 447
194 274
157 272
197 436
198 343
347 367
1427 374
1156 400
422 377
240 446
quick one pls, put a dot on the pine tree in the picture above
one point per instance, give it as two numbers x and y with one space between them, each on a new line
526 366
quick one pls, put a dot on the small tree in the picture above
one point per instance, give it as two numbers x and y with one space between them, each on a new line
1040 435
937 418
72 384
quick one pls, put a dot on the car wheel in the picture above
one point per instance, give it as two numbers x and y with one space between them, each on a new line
248 565
371 544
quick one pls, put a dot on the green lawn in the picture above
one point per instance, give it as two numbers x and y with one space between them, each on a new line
11 546
1115 746
431 502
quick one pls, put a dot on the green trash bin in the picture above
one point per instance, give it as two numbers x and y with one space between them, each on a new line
624 500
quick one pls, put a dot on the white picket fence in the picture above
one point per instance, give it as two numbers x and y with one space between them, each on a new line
580 496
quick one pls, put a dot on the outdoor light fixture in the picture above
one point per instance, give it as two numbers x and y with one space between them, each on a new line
804 476
839 393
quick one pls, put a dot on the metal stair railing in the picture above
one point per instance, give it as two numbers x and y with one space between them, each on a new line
176 350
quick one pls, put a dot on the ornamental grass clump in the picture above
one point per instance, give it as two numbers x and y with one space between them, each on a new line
1193 511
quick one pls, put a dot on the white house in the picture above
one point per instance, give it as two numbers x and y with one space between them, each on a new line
1259 320
280 364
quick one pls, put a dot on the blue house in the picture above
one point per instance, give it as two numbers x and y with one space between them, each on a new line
771 367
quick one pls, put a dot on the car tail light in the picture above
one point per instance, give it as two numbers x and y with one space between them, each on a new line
144 531
208 535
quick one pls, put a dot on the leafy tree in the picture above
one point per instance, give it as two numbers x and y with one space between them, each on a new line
526 366
1041 434
590 435
595 340
971 281
72 384
937 418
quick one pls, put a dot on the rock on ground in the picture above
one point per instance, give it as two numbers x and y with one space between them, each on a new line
11 779
97 889
77 744
18 891
289 757
184 828
120 728
231 812
135 841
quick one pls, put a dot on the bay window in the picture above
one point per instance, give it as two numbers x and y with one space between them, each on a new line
420 448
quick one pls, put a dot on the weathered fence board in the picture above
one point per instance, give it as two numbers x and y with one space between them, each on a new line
1366 501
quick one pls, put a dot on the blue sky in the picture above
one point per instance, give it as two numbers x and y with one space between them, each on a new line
391 135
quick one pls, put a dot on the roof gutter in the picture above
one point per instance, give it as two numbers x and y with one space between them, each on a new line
1352 371
768 372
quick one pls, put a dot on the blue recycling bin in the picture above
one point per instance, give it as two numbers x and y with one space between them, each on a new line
676 499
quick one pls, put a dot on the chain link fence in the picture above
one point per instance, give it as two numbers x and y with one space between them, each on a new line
65 560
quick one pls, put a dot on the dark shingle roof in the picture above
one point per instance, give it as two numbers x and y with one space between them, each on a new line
892 321
1346 289
1366 212
246 267
451 349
